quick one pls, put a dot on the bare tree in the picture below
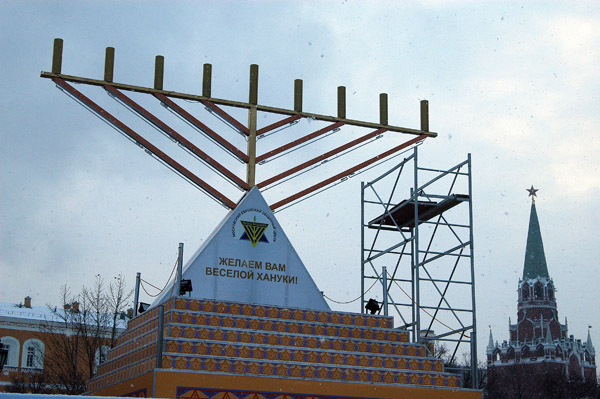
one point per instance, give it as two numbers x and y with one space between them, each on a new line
63 340
30 382
536 381
453 365
118 300
557 386
95 325
76 336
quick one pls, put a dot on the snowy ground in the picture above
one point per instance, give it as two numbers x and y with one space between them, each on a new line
4 395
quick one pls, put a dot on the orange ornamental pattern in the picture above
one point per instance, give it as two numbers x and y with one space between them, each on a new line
204 393
141 393
226 338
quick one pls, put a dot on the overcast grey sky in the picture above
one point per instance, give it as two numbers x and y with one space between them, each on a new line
515 84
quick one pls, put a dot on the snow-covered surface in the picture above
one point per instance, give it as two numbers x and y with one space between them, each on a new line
8 309
42 313
4 395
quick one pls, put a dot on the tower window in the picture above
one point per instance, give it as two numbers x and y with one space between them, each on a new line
525 292
539 291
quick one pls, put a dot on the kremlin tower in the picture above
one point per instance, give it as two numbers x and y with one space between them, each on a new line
540 359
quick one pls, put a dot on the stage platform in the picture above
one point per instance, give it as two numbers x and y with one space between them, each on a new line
216 349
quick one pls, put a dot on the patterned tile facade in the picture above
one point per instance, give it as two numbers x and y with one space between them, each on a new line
352 319
262 337
141 393
134 355
199 318
290 369
174 347
243 339
204 393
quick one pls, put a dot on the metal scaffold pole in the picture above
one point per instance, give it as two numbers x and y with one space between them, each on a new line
362 248
420 220
474 365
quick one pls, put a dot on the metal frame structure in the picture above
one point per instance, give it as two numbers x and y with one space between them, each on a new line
422 262
251 131
417 246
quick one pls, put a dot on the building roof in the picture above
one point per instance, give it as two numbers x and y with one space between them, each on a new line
9 309
39 313
535 259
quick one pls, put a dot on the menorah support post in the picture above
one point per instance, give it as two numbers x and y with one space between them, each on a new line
252 122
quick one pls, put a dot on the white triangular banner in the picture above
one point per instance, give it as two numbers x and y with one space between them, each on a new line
249 259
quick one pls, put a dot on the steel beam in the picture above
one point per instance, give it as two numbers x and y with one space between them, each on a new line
233 150
345 173
213 103
222 113
296 143
105 115
185 143
320 158
275 125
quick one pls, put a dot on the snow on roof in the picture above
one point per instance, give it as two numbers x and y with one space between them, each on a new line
4 395
8 309
39 313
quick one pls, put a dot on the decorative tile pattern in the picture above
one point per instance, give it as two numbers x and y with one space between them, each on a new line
221 337
141 393
135 353
210 393
121 374
287 368
283 313
205 333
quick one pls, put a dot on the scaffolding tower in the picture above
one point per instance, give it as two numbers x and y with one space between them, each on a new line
417 247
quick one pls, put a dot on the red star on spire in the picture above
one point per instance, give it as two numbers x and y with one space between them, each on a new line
532 193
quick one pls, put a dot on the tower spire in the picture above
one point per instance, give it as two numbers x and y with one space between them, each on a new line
589 344
535 259
490 346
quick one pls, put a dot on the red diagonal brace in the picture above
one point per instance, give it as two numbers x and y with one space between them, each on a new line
144 113
201 126
145 144
301 140
277 124
346 173
320 158
226 116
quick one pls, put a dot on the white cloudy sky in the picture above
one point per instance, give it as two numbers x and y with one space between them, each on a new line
514 84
